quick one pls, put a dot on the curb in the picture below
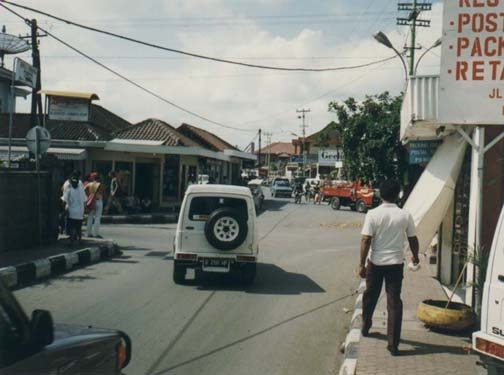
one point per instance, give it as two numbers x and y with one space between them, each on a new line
351 345
27 273
140 219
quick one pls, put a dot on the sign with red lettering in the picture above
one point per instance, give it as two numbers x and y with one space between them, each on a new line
472 62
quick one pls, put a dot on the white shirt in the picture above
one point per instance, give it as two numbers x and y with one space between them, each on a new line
388 225
75 198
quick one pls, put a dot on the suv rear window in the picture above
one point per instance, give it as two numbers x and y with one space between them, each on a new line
201 207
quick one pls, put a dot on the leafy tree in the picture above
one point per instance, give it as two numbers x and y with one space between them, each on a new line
370 137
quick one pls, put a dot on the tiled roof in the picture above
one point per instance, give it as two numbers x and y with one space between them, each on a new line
156 130
206 139
102 124
107 120
277 148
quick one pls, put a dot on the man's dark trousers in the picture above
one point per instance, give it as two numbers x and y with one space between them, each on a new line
393 276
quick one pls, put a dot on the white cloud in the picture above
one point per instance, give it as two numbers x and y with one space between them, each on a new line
278 33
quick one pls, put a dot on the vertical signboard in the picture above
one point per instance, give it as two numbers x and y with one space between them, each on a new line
472 62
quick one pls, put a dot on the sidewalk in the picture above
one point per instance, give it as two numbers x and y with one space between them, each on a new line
422 351
24 267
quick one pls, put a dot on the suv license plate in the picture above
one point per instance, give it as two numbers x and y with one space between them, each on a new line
216 264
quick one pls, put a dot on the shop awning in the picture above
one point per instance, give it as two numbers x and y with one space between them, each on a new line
433 193
18 152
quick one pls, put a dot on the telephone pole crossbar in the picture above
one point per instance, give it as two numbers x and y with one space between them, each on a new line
413 21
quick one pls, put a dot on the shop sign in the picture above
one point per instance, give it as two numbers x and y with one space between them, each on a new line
472 63
68 109
329 157
420 152
25 73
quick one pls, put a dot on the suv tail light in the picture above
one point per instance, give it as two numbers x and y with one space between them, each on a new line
186 256
245 258
490 347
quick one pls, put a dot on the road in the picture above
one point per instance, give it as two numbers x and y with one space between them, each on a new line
290 321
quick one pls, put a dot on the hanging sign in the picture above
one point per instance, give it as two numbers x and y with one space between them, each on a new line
25 73
472 63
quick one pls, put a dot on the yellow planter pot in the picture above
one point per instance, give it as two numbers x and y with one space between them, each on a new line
456 317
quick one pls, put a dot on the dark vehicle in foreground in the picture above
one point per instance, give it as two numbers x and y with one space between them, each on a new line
37 346
281 188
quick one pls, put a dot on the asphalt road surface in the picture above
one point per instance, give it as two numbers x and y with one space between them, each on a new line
292 320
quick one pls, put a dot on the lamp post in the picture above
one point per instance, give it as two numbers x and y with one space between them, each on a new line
437 43
381 38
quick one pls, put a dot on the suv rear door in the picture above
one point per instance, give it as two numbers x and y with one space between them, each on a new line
198 209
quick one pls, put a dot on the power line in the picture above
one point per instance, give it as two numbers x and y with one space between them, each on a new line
148 91
195 55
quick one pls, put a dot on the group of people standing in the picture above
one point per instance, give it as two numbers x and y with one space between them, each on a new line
79 198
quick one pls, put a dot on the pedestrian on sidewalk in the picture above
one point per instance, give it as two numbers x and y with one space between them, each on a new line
383 232
114 192
75 198
94 189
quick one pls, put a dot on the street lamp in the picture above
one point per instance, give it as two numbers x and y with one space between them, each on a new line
437 43
382 39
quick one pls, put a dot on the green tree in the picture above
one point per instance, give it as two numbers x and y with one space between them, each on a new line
370 137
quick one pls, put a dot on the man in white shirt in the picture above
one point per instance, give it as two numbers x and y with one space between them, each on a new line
75 197
384 232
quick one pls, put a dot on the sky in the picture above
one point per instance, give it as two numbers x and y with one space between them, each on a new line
237 100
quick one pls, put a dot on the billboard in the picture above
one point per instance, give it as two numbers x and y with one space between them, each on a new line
472 63
68 109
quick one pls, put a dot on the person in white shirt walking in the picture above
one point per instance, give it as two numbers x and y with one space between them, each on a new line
75 198
385 231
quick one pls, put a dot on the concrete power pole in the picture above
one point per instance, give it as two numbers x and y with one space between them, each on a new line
268 156
303 126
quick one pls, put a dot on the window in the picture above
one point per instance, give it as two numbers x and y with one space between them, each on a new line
202 207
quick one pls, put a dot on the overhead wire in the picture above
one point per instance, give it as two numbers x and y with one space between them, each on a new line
148 91
196 55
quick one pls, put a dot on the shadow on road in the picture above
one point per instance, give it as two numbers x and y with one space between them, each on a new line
270 279
274 204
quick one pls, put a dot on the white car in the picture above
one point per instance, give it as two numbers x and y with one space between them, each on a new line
216 232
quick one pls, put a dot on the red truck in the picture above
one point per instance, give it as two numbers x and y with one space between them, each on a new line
351 194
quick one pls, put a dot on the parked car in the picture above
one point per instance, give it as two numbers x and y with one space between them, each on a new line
216 232
257 193
281 187
37 346
489 340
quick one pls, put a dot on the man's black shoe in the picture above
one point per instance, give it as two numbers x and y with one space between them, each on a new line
366 326
393 351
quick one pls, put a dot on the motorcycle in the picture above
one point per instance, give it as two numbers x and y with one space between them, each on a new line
297 197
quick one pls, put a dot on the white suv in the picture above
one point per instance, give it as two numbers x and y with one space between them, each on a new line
216 232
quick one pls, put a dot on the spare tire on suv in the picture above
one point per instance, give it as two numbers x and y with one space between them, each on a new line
226 229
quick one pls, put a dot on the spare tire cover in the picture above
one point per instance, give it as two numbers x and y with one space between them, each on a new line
226 229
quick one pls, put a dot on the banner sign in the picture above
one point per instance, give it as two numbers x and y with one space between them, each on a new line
25 73
472 63
329 157
68 109
420 152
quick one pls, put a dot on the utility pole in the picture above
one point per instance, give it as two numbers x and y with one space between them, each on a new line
303 126
413 21
268 142
36 97
259 151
